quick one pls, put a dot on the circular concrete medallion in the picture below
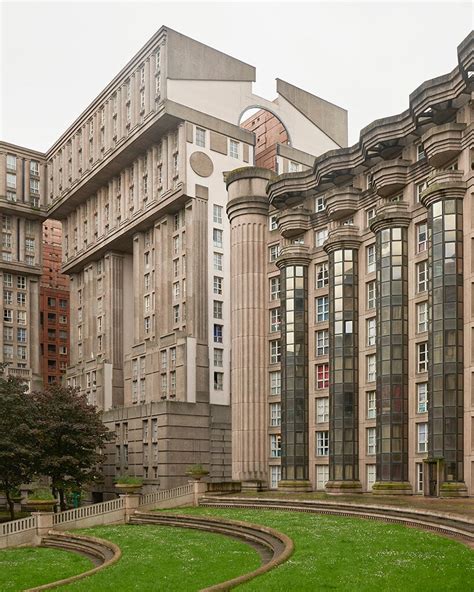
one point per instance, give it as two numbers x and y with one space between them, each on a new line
201 164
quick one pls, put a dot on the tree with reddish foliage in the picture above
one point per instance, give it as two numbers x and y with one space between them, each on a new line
71 437
18 444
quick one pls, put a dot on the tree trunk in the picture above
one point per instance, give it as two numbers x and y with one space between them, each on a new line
10 503
62 500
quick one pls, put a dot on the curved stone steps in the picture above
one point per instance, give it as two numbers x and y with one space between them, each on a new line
101 552
274 547
444 524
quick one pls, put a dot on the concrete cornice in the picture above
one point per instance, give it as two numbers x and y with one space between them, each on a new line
443 185
344 237
22 151
432 103
391 215
293 255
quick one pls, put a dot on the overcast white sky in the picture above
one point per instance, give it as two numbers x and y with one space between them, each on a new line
366 57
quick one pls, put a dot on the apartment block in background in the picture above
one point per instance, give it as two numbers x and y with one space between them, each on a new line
54 306
23 208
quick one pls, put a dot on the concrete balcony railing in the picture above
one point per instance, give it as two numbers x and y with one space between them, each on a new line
342 202
442 143
293 222
390 177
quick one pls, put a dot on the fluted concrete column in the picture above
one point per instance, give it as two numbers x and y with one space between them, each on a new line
390 228
342 248
293 263
113 298
248 214
444 201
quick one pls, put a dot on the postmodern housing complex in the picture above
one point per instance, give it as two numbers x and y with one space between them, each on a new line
353 307
137 182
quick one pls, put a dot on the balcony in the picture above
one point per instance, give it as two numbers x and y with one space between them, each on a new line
389 177
442 143
293 222
342 202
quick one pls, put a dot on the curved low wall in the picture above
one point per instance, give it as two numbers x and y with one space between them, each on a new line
452 526
101 552
274 547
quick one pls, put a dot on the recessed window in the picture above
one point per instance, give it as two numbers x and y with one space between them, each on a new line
422 317
273 253
275 445
200 137
322 376
275 320
234 149
275 414
275 351
422 397
421 237
422 276
370 295
322 443
322 309
371 368
371 331
217 214
322 342
217 238
322 275
320 237
371 404
218 309
371 441
370 257
217 285
422 437
275 383
422 357
320 204
322 409
275 288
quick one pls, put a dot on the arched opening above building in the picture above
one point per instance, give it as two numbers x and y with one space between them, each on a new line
269 131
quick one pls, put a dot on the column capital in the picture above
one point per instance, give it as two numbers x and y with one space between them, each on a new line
293 255
443 185
247 191
343 237
391 215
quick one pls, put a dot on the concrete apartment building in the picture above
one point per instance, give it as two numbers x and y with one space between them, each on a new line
23 206
352 307
137 182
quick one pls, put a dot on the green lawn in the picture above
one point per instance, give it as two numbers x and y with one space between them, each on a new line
163 558
349 554
26 567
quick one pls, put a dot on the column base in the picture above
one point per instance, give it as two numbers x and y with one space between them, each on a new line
295 486
453 489
253 486
392 488
338 487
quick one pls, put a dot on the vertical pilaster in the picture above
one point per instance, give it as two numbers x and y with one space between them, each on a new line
342 247
390 228
114 322
248 214
444 200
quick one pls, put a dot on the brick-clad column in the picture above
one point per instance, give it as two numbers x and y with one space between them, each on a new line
248 214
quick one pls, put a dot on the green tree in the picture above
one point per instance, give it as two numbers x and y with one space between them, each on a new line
71 436
18 443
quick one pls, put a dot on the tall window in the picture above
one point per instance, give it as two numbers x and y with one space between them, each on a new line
275 351
422 397
217 238
322 409
275 445
320 237
422 357
218 333
275 288
419 477
200 137
275 476
322 275
218 357
275 320
218 259
275 414
421 237
273 253
371 368
370 255
234 149
370 214
322 342
422 317
320 204
422 276
422 437
322 376
322 443
217 309
217 214
218 381
322 476
371 446
275 383
370 295
371 331
217 284
11 162
371 404
322 309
